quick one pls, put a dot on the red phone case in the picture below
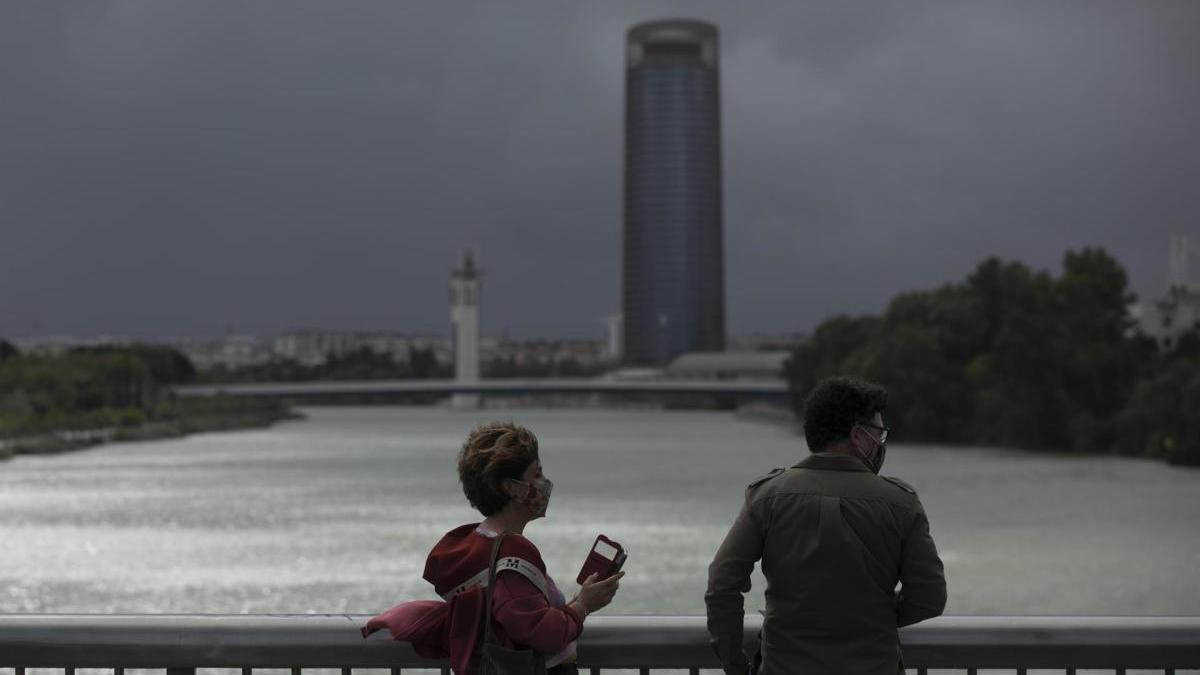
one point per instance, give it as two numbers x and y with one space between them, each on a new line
598 562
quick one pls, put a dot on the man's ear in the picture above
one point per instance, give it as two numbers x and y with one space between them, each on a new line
853 430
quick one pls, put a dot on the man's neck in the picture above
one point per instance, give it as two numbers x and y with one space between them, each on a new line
846 448
843 448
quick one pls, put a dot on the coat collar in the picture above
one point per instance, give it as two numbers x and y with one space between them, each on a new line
832 461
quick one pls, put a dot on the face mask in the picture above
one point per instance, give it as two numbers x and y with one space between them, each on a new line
878 463
874 463
537 495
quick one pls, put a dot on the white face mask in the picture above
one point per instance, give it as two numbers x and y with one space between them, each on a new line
537 495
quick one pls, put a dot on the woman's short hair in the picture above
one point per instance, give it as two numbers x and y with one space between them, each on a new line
836 405
492 453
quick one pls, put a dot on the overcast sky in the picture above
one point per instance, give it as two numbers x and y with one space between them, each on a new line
181 168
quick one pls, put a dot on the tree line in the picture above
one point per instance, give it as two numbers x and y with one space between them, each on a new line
1016 357
361 364
126 387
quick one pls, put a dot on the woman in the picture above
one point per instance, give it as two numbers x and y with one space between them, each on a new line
502 478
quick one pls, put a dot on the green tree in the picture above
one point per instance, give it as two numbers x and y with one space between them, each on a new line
7 350
423 364
166 365
920 355
828 352
1010 356
362 364
1160 419
1102 361
1021 397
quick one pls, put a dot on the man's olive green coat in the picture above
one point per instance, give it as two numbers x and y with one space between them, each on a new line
834 540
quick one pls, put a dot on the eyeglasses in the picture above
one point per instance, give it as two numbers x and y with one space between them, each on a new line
883 431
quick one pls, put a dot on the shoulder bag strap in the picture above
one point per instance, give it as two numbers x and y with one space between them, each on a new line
487 590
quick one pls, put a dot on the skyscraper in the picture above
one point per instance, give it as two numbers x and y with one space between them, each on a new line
673 293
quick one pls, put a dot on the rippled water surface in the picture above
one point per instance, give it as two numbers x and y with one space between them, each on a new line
336 514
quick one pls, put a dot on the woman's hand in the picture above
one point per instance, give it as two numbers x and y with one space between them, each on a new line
594 595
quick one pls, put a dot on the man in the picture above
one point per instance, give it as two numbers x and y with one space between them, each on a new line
834 538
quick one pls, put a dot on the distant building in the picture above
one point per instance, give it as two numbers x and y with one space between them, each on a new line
313 347
615 337
229 351
729 365
673 294
57 345
465 283
1179 312
758 342
547 352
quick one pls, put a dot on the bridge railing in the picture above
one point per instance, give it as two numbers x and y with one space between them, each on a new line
183 643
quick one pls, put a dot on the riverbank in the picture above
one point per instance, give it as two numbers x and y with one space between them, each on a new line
197 419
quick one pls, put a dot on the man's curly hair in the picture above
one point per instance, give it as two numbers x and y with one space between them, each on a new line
836 405
492 453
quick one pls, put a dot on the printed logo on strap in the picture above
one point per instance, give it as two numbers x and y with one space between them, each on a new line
512 564
526 569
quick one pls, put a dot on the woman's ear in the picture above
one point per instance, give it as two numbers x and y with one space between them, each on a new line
515 491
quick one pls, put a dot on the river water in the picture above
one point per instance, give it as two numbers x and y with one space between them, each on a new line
336 513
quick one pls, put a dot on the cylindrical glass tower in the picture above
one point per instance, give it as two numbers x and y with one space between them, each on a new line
673 292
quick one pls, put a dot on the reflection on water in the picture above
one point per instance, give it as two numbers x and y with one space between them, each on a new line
336 514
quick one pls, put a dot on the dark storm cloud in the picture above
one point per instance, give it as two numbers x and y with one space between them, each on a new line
180 167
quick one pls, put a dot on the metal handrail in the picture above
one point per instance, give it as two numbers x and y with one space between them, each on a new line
333 641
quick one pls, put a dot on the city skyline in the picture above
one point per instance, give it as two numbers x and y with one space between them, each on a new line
164 174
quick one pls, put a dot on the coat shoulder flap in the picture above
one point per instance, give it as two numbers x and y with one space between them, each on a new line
900 484
763 479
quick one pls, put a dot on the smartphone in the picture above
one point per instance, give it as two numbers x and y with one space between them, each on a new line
604 559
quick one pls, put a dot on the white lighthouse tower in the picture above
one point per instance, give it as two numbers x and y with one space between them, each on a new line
464 318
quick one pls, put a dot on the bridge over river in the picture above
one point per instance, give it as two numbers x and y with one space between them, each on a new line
734 390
